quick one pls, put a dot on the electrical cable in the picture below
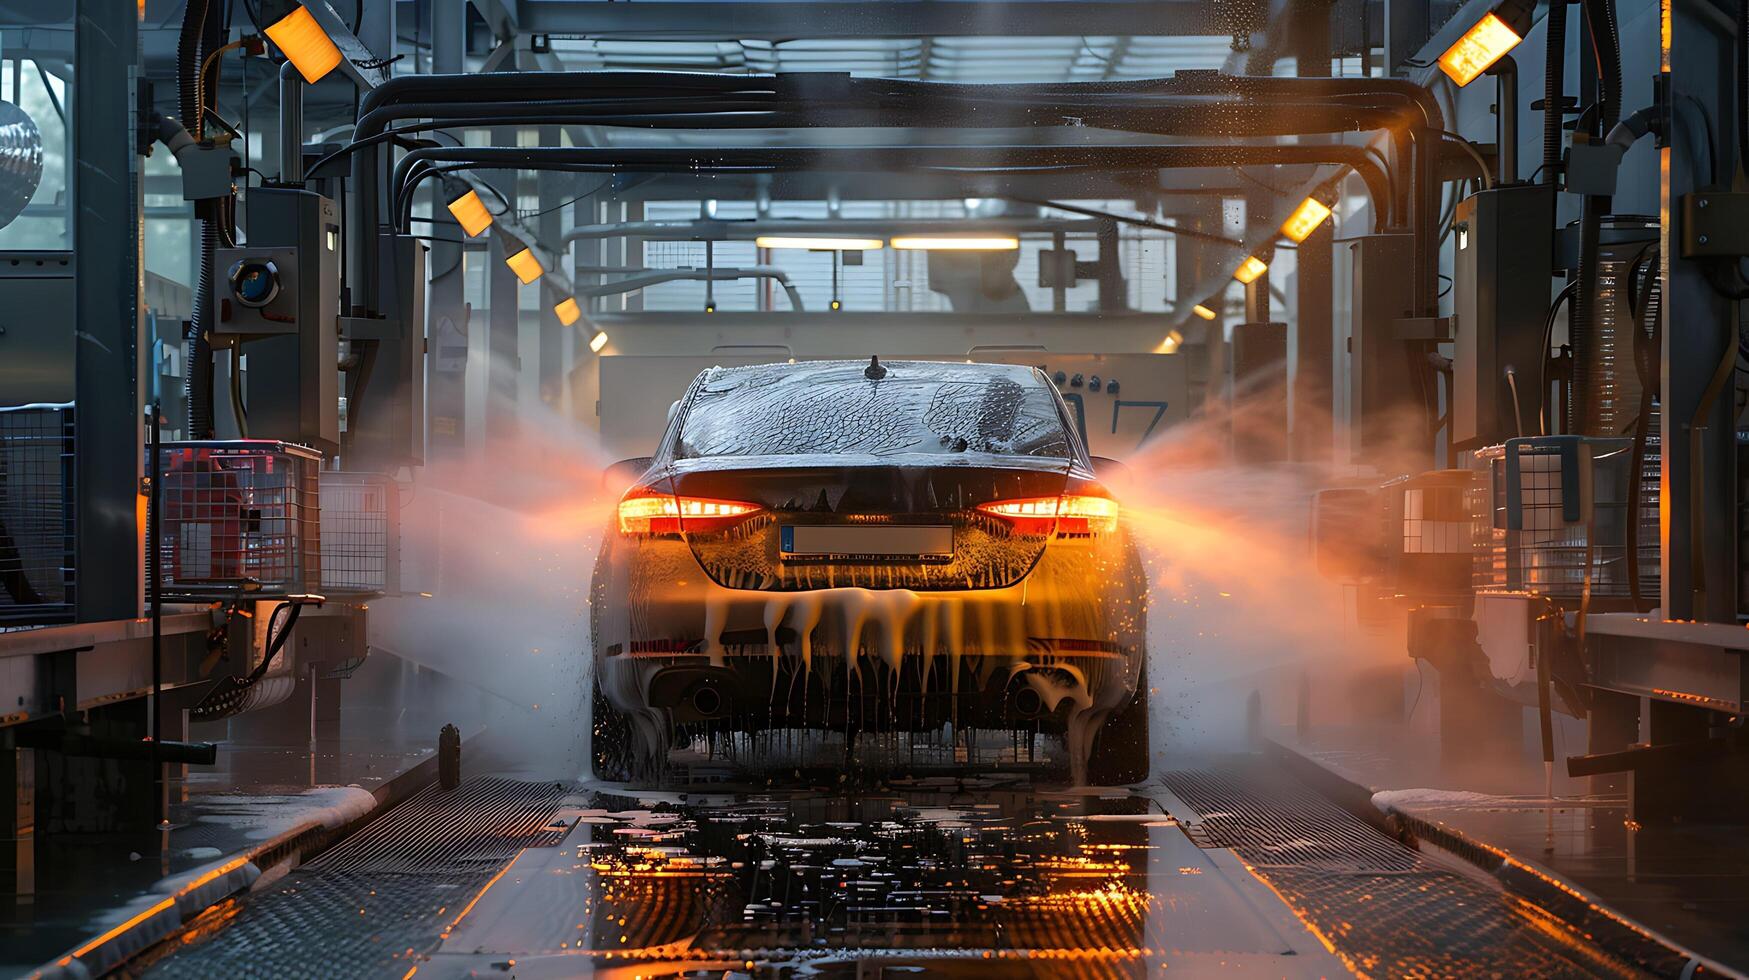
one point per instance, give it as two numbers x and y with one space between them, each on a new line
1563 296
1476 155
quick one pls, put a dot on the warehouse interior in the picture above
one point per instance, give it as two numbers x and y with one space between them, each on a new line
1407 335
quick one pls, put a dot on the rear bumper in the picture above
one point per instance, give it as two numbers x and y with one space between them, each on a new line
1067 638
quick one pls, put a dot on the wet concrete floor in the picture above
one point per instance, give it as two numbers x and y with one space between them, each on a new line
1228 868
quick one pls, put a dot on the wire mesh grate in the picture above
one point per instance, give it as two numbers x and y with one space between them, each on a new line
238 517
358 532
1572 518
37 581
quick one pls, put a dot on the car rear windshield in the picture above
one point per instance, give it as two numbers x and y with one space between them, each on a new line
833 408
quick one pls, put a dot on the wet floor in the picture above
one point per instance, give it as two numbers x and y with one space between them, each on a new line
1228 868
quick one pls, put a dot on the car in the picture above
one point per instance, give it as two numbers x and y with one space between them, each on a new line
870 549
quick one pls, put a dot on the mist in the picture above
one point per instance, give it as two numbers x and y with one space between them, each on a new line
497 550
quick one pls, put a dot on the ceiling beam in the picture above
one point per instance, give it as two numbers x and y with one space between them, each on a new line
786 19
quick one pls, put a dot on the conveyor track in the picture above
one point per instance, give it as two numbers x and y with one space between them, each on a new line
368 905
1387 910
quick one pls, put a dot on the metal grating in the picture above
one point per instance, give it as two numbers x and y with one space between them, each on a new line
374 903
1064 58
479 824
37 582
1387 911
360 514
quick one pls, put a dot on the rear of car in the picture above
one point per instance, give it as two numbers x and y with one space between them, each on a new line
863 547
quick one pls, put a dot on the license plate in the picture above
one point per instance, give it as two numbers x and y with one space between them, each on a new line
866 542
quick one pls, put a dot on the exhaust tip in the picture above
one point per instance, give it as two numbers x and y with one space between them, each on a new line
707 701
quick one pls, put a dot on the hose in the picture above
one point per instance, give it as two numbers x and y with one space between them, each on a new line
1554 84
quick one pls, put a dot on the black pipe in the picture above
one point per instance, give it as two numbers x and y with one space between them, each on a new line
1554 88
198 352
1505 71
422 163
1259 106
144 750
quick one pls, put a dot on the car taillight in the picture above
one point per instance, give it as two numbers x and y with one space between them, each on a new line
646 511
1068 514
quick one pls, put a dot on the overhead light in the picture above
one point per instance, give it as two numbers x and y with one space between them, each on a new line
820 244
525 265
1170 344
1486 42
1250 269
957 243
568 311
1204 312
598 341
470 212
1305 219
304 44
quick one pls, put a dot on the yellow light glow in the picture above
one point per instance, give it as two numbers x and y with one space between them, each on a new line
568 311
1204 312
957 243
820 244
598 341
1172 342
470 212
1478 49
1250 269
304 44
525 265
1305 219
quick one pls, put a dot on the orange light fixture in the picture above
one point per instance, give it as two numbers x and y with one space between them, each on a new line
304 44
598 341
525 265
1483 44
1250 269
470 212
1203 311
1305 219
568 311
1173 341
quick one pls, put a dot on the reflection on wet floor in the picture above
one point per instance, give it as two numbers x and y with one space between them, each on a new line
1231 868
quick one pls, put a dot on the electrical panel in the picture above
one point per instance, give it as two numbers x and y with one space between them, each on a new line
1388 394
287 314
385 421
1500 298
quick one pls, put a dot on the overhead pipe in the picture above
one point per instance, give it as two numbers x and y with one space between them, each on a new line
423 162
641 278
1334 104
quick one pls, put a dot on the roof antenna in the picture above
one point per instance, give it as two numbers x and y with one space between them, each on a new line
874 371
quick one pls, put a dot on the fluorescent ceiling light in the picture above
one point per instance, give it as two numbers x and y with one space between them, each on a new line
959 243
820 244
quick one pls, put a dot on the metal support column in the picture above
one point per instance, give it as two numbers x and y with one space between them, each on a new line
107 313
503 312
447 310
1311 407
549 368
1700 338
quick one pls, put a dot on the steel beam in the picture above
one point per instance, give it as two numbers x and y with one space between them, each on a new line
107 313
1696 664
1699 558
787 19
447 312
